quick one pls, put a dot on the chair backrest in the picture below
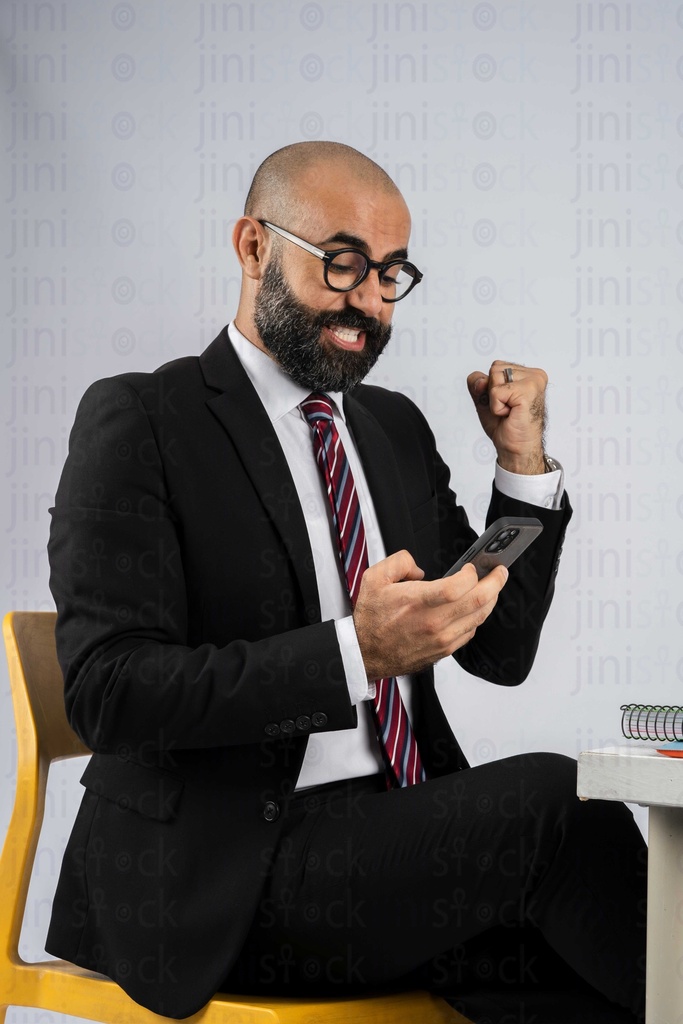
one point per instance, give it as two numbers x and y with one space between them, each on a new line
43 735
37 685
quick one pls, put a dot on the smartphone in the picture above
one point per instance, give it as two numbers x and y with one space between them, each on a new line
501 544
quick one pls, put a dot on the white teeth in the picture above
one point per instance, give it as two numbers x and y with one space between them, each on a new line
346 333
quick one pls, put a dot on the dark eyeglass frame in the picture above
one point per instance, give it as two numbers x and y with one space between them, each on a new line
327 258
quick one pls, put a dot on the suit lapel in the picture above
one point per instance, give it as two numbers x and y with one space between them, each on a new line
383 476
240 411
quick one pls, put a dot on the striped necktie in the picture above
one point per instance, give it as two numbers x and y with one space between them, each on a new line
399 749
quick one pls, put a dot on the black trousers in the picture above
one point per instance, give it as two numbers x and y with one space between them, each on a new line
494 886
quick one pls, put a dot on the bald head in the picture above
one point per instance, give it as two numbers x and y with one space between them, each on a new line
280 184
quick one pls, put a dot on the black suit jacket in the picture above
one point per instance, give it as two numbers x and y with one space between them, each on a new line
195 661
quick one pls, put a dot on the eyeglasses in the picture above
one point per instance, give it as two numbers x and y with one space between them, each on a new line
345 269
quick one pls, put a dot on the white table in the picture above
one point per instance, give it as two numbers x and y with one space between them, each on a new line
636 773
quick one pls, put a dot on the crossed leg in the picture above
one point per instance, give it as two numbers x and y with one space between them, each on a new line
370 887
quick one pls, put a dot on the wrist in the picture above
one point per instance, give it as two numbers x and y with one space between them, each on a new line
524 464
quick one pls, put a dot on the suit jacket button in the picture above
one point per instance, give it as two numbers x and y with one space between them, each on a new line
272 729
303 723
271 811
319 719
287 725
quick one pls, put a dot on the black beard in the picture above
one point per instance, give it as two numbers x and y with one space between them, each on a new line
292 332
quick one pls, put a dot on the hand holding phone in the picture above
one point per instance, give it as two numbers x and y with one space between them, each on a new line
501 544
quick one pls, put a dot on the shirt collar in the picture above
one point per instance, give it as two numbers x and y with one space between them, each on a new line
279 394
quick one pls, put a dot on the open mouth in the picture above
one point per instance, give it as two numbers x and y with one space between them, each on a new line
350 338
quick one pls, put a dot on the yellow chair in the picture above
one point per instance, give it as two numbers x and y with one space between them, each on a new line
44 735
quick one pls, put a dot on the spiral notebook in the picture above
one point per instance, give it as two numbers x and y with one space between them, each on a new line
657 723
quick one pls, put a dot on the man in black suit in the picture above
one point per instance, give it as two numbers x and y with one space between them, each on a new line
236 826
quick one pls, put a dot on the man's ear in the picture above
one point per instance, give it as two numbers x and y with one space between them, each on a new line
251 245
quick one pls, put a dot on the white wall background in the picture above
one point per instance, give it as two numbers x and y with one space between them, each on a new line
539 146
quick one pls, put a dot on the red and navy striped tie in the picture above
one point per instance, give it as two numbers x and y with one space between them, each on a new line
399 749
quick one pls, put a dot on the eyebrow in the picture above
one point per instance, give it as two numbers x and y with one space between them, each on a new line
359 243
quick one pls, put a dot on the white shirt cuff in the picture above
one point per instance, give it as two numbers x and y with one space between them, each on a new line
544 489
360 688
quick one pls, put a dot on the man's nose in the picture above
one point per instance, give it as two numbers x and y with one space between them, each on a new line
367 296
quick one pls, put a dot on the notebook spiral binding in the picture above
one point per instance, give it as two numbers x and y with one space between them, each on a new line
652 722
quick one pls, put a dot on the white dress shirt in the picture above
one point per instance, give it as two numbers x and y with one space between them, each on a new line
346 753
